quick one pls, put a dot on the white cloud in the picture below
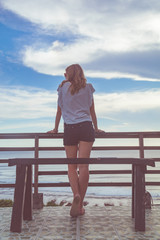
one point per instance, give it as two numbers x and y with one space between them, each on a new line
94 31
26 103
34 103
131 102
109 75
24 125
54 59
117 24
25 109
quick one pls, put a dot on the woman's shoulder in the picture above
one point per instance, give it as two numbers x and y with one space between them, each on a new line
63 84
90 87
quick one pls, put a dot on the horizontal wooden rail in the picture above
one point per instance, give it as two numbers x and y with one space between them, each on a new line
97 148
59 161
90 172
97 184
7 161
92 184
149 134
17 149
40 173
7 185
3 161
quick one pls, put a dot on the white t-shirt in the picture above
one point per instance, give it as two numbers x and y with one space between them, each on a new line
75 108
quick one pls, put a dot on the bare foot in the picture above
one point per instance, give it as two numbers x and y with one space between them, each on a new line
82 211
74 212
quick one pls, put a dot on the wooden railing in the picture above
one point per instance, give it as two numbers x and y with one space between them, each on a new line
140 147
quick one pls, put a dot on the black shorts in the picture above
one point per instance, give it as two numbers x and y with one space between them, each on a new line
74 133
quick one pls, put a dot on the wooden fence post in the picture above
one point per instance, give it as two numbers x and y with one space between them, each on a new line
19 195
37 197
139 198
28 201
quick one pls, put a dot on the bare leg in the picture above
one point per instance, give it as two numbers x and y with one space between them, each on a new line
84 152
71 152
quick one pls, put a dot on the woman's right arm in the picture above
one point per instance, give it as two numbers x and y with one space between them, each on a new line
57 120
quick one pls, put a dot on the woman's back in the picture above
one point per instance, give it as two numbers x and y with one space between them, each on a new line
75 108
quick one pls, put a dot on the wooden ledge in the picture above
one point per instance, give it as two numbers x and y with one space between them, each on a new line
110 160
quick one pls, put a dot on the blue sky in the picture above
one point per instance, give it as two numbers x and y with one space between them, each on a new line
116 42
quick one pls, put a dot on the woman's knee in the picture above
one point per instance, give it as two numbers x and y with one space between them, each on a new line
83 167
72 167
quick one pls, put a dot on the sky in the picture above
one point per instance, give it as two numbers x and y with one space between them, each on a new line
116 42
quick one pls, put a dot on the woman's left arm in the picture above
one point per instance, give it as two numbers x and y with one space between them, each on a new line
94 117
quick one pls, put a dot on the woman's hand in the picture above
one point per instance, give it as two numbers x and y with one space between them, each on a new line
53 131
99 131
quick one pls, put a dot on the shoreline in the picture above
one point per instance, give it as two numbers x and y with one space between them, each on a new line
89 200
98 200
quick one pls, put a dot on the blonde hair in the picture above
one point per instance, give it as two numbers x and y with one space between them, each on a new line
76 77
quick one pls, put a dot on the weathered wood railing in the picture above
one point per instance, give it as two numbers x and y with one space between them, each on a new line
140 147
22 207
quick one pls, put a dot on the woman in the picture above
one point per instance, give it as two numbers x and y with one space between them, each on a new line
76 105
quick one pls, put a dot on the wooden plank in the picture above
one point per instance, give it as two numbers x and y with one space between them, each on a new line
36 155
7 185
149 134
90 184
95 148
133 190
152 183
108 184
46 161
90 172
156 159
28 202
139 198
115 148
4 161
17 210
151 147
51 149
152 171
17 149
17 135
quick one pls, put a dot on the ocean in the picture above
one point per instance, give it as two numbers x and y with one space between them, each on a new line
7 175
